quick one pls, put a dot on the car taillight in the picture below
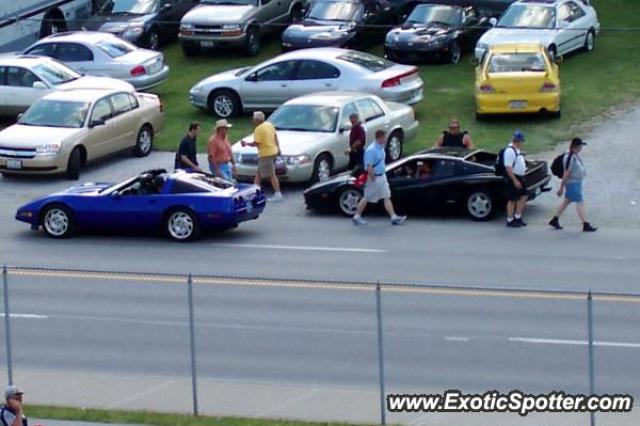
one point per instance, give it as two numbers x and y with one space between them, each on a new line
548 87
137 71
397 80
487 88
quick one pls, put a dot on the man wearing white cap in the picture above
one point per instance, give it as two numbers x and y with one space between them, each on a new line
221 161
11 413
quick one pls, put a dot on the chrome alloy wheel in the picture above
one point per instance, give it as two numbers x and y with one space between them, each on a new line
348 201
394 147
56 222
180 225
223 105
479 205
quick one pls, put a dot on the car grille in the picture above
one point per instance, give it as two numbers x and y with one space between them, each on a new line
249 159
207 29
17 153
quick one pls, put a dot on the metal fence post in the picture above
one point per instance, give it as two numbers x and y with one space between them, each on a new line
7 325
383 409
592 384
192 337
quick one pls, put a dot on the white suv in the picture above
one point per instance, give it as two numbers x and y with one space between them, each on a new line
562 26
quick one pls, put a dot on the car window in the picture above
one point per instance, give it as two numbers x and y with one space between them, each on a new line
45 49
576 11
73 52
370 109
115 48
365 60
444 168
101 110
133 100
313 70
346 113
20 77
121 103
564 13
277 72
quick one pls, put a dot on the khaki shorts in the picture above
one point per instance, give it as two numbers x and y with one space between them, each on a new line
377 190
266 166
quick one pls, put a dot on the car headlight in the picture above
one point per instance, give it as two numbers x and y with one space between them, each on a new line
48 149
296 160
482 46
327 35
133 30
186 26
231 29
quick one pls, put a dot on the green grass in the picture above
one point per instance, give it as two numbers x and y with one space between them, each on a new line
150 418
591 84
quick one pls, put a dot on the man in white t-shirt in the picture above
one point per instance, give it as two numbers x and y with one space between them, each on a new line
516 168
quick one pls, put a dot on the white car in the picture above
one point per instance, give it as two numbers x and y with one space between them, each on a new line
25 79
103 54
562 26
313 133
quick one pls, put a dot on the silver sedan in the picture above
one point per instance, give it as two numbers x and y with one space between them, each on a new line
313 132
103 54
273 82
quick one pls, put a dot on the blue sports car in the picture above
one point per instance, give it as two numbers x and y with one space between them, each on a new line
181 204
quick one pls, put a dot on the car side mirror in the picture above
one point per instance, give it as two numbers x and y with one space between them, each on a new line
39 85
252 77
96 122
19 116
166 7
345 128
493 22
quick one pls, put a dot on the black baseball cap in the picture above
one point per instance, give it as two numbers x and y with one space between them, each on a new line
577 142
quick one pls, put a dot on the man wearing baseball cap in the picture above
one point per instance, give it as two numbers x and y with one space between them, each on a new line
516 168
11 413
221 161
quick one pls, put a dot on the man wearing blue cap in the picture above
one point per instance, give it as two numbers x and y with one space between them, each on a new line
516 168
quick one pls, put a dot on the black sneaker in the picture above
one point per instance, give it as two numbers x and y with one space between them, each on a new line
555 222
513 224
520 221
587 227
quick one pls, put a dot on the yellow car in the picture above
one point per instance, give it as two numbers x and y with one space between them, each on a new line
515 79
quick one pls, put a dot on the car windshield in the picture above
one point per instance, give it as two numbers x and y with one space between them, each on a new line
50 113
516 62
365 60
333 11
232 2
305 118
128 7
115 48
242 71
55 73
528 16
430 13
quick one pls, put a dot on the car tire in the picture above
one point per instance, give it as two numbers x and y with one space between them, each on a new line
252 43
480 204
394 146
144 141
57 221
153 40
322 169
347 200
224 103
455 53
181 225
190 49
589 41
74 164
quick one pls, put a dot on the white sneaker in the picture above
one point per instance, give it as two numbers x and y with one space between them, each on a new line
359 221
277 197
398 220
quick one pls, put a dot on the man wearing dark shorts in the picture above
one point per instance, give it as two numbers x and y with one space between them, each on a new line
516 168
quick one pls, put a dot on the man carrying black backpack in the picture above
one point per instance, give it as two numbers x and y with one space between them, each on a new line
515 168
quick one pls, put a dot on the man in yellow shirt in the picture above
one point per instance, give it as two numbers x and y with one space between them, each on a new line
266 139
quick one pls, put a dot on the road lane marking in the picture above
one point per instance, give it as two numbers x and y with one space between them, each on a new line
25 316
574 342
301 248
456 339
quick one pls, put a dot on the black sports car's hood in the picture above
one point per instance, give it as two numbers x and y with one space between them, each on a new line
410 31
115 23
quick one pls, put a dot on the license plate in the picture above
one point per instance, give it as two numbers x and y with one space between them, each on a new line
517 104
14 164
207 43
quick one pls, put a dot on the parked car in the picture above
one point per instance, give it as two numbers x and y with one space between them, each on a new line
439 30
25 79
490 8
146 23
439 180
271 83
340 23
235 23
181 204
65 130
562 26
517 78
106 55
313 132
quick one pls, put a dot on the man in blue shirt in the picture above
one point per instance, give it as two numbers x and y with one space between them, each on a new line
377 187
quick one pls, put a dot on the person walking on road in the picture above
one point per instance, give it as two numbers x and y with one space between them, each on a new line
454 137
377 187
186 156
571 186
357 142
221 161
266 139
515 167
11 413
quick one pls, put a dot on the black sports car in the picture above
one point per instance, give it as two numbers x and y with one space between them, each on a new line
441 30
340 23
492 8
435 180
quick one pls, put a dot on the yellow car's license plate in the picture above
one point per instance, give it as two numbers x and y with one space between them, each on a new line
517 104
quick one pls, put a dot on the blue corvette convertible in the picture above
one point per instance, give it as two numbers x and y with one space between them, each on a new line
181 204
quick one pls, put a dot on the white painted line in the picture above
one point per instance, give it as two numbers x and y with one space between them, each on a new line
574 342
456 339
26 316
300 248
